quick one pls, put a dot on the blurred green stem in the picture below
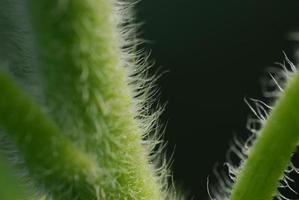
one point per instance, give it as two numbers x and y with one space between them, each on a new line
11 187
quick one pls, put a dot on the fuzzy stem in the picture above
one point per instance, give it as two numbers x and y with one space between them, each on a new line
86 91
270 155
57 166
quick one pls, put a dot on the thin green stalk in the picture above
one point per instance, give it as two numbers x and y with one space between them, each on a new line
52 161
85 79
270 155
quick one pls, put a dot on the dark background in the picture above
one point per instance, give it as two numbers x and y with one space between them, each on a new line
216 52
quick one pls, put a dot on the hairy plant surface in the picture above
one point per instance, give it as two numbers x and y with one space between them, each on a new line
76 119
266 155
86 133
271 153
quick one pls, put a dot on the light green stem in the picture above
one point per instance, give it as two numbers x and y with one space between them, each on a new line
85 84
270 155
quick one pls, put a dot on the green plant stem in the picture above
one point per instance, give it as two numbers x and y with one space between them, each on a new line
270 154
10 187
52 161
86 91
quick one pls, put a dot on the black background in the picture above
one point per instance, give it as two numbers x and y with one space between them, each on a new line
216 52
